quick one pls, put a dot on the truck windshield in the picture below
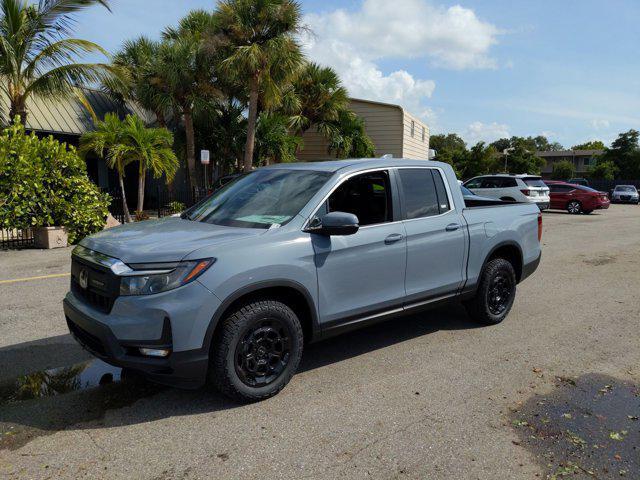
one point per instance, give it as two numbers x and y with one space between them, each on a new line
261 199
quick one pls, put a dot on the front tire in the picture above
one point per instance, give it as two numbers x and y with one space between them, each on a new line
257 351
574 207
495 295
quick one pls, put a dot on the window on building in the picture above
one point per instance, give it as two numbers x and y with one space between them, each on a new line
424 133
413 128
367 196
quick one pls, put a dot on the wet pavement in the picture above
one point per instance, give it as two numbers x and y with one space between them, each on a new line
47 401
587 427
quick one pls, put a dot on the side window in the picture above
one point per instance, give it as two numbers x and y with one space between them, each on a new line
441 191
507 182
475 183
489 182
368 196
419 193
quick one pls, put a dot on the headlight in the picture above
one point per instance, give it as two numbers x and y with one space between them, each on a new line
158 278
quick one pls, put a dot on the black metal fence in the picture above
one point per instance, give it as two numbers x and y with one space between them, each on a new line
171 202
14 238
609 185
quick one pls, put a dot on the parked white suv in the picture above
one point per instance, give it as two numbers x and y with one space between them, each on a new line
511 188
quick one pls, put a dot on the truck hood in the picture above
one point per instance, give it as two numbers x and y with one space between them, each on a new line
165 240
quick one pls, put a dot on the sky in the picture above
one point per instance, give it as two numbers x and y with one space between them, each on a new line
484 69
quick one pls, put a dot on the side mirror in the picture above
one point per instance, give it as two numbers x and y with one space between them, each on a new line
335 223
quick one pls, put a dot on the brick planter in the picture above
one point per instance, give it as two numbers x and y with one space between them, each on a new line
50 237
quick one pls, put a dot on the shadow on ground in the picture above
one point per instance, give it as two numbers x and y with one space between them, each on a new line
58 386
587 428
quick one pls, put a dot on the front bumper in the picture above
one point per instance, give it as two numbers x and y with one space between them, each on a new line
625 200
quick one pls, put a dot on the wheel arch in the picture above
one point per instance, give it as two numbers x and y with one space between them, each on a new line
510 251
289 292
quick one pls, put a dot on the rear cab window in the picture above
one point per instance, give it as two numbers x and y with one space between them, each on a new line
424 193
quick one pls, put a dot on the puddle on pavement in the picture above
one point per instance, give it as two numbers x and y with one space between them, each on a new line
587 428
50 400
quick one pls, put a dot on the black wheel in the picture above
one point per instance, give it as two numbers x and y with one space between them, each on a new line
496 293
257 351
587 212
574 207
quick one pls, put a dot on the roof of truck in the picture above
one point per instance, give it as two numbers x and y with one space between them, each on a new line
353 164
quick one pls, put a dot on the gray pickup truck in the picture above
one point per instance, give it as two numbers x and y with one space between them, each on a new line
232 290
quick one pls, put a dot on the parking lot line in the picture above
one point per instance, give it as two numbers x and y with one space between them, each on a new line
28 279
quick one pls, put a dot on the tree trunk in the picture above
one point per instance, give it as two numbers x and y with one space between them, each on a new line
18 107
125 208
162 121
141 182
251 124
191 148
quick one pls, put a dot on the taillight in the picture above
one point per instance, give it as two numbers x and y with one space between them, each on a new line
527 192
539 227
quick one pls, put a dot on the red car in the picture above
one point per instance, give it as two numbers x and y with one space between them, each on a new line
576 198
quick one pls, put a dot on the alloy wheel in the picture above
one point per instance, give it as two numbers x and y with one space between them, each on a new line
574 207
263 352
499 293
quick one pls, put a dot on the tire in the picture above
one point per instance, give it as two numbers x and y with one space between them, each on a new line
483 307
257 351
587 212
574 207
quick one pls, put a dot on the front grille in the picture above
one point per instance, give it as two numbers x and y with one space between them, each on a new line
90 342
102 288
625 198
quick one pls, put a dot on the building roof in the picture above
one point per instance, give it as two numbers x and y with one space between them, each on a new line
68 116
570 153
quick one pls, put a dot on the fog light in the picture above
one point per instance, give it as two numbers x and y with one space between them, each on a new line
153 352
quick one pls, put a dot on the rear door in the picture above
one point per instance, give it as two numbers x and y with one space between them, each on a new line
561 195
435 235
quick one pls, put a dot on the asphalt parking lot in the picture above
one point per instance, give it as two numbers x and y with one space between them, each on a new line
428 396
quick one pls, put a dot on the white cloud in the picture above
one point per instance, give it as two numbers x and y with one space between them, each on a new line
353 42
485 132
600 124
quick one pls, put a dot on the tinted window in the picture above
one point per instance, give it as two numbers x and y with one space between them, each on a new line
534 182
441 191
260 199
466 192
367 196
475 183
625 188
561 188
419 193
585 189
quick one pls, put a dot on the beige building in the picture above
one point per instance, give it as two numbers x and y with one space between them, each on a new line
581 159
392 129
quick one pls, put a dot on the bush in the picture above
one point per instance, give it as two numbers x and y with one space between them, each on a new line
177 207
44 183
563 170
603 170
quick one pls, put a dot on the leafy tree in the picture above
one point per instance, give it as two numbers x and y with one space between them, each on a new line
604 170
592 145
563 170
480 160
349 138
274 144
555 147
102 141
521 158
36 55
263 52
501 144
320 98
625 155
44 183
442 143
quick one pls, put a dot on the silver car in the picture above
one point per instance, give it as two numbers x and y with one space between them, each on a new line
625 194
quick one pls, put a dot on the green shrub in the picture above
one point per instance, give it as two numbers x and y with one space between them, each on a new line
44 183
177 207
563 170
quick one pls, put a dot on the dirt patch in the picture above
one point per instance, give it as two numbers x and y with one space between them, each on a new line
600 260
587 428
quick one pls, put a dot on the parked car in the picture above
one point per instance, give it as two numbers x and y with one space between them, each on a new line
625 194
511 188
473 200
579 181
576 198
290 254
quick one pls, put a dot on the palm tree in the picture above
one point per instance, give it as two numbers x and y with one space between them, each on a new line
274 143
263 50
184 70
320 97
102 141
150 147
349 138
36 55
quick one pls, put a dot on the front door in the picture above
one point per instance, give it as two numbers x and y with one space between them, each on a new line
361 274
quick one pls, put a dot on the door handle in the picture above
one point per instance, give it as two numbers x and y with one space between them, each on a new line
452 227
393 238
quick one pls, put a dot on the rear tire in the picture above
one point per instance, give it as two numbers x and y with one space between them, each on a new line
495 295
574 207
587 212
257 351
